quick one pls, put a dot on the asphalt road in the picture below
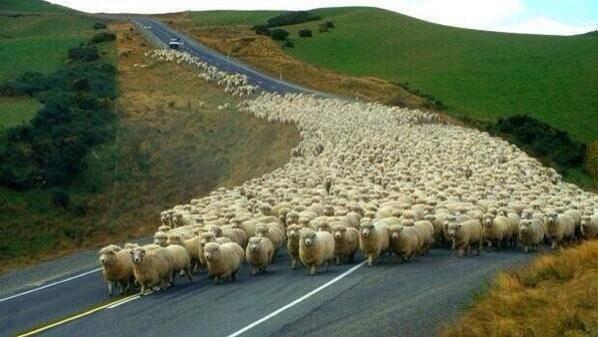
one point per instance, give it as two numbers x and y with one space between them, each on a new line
411 299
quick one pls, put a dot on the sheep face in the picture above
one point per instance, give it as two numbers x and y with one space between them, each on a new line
261 231
366 229
254 244
338 232
207 238
487 220
137 255
211 251
454 229
174 239
309 239
324 227
293 231
395 231
107 255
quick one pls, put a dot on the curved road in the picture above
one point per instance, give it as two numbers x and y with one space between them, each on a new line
410 299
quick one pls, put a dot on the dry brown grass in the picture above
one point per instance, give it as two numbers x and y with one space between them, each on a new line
556 295
265 54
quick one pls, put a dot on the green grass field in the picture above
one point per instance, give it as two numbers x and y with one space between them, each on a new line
31 6
39 43
16 111
480 74
229 18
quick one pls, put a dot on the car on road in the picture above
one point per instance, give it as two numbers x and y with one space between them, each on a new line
175 43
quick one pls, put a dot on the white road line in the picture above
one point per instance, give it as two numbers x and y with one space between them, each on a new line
297 301
48 285
127 300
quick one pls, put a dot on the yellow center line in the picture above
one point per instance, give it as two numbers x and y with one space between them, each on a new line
83 314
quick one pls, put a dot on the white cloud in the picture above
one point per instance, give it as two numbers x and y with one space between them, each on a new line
461 13
499 15
544 25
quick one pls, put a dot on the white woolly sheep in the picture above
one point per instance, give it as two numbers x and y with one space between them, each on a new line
315 249
346 242
259 253
117 268
373 240
224 261
151 268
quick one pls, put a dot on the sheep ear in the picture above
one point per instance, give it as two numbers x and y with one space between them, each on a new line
459 225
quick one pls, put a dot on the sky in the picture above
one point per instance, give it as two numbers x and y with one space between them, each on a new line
554 17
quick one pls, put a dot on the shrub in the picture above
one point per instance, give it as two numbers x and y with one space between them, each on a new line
292 18
305 33
279 34
60 197
553 145
262 30
322 28
288 44
329 24
99 25
84 53
103 37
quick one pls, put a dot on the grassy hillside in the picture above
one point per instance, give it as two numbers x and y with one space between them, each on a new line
39 43
556 295
224 17
480 74
31 6
172 144
17 110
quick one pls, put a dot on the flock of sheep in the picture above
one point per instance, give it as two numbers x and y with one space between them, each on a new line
364 178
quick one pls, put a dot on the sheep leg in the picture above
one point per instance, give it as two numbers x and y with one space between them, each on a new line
293 263
312 270
554 245
370 259
215 279
234 276
253 271
188 272
142 291
109 284
338 260
326 265
526 249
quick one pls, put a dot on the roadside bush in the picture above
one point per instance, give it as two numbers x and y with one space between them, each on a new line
305 33
261 30
329 24
60 197
288 44
542 140
292 18
103 37
84 53
99 25
279 34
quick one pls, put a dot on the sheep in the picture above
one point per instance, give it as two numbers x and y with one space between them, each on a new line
560 227
272 232
293 235
427 234
161 238
223 260
315 249
192 246
346 242
180 260
496 230
531 234
117 268
405 241
466 234
589 226
373 240
151 268
259 253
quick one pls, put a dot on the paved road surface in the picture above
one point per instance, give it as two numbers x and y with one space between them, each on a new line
410 299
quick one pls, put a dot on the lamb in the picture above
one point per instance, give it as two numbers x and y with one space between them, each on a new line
496 230
427 234
406 242
531 234
560 227
117 268
151 268
346 242
373 240
191 245
466 234
180 260
223 260
272 232
259 253
589 226
315 249
293 236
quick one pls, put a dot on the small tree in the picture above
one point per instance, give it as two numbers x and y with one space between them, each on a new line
305 33
329 24
99 25
288 44
279 34
262 30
